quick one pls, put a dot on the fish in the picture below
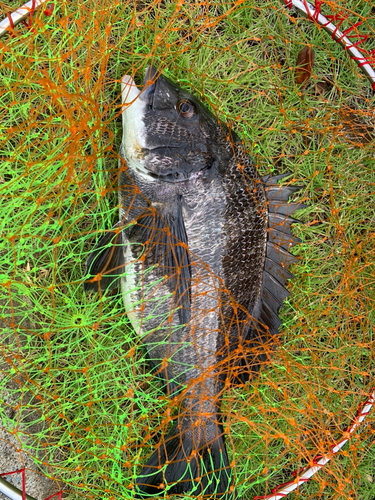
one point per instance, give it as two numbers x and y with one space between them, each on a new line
201 254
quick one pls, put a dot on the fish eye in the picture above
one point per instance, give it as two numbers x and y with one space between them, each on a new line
186 108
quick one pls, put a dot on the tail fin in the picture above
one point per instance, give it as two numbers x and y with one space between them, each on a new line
189 461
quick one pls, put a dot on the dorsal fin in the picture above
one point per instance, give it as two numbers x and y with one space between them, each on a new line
266 322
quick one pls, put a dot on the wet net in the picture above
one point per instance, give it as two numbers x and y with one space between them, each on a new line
81 405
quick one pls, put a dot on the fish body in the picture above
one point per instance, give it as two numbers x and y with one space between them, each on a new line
204 242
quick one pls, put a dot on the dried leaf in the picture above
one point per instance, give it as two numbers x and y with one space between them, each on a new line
43 273
323 87
305 61
356 126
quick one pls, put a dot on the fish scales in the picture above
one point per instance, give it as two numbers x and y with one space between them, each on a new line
205 269
203 230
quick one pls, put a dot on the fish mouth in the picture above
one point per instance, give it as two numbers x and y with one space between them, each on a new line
172 178
151 75
149 84
162 148
130 90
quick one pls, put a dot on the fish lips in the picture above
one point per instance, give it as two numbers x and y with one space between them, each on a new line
149 84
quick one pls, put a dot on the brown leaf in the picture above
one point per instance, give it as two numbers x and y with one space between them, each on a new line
305 61
323 87
356 126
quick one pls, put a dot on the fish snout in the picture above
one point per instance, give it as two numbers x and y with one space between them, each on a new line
129 90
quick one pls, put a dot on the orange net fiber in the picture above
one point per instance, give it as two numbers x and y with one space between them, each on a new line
187 249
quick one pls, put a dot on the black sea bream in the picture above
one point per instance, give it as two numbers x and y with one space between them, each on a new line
201 255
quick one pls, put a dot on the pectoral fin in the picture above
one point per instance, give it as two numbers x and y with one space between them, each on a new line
166 244
106 263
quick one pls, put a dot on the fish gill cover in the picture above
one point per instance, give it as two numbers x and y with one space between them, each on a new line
83 400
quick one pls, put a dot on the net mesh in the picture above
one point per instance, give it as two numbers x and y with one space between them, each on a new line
77 392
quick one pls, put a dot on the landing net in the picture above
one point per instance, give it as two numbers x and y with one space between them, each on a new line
79 403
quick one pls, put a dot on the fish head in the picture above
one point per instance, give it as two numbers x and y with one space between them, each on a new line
168 134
